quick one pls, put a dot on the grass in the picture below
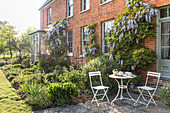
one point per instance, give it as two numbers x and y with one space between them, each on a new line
10 102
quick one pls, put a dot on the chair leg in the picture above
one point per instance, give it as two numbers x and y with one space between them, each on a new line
95 98
151 95
105 94
139 96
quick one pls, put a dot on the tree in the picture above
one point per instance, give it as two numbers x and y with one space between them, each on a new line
7 35
22 44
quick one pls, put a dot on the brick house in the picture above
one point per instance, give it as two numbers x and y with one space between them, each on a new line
102 12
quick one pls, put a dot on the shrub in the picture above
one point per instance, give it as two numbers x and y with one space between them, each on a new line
74 76
30 69
136 81
26 62
105 66
43 65
18 66
11 77
62 93
38 77
64 61
50 76
36 95
165 93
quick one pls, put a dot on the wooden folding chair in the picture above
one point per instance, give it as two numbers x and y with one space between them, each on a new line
95 89
148 89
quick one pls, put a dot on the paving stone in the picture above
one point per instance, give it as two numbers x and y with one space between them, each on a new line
120 106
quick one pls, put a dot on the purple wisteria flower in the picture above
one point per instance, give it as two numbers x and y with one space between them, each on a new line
111 57
121 62
114 45
133 67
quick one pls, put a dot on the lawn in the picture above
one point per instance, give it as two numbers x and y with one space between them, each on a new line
10 102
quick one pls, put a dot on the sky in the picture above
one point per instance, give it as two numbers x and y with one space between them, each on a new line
22 14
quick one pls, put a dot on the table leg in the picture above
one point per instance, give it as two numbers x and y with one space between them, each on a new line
117 92
121 94
128 90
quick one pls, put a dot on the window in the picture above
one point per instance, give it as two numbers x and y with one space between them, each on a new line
103 1
165 12
70 41
106 32
69 8
85 37
49 16
85 5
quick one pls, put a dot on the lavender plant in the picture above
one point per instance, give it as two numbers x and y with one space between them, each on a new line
130 28
92 50
57 39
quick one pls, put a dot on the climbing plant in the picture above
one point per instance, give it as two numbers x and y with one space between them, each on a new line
92 49
130 29
56 38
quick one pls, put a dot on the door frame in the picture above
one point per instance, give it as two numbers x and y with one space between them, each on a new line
158 40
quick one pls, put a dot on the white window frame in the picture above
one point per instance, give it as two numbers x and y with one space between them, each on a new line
82 33
87 2
69 7
49 16
105 2
69 53
103 37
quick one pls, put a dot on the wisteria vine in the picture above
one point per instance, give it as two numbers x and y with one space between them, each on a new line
92 49
56 37
130 28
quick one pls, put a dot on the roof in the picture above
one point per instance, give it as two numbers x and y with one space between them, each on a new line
46 3
37 32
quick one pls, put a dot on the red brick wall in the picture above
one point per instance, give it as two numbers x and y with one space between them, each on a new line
97 14
58 11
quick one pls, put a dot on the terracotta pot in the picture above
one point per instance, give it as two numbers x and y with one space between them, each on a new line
115 73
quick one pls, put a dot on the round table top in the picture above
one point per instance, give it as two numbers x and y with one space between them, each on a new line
122 77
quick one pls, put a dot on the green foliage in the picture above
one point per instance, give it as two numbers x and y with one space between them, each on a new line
130 29
26 62
50 77
136 81
63 61
19 66
144 57
43 65
73 76
62 93
165 93
104 65
36 95
92 49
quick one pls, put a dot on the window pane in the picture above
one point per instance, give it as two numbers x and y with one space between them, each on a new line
163 13
71 2
70 41
165 40
165 27
107 33
165 53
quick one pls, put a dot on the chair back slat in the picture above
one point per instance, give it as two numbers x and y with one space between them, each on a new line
154 74
97 73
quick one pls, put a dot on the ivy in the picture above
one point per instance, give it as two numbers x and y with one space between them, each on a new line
92 50
130 29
